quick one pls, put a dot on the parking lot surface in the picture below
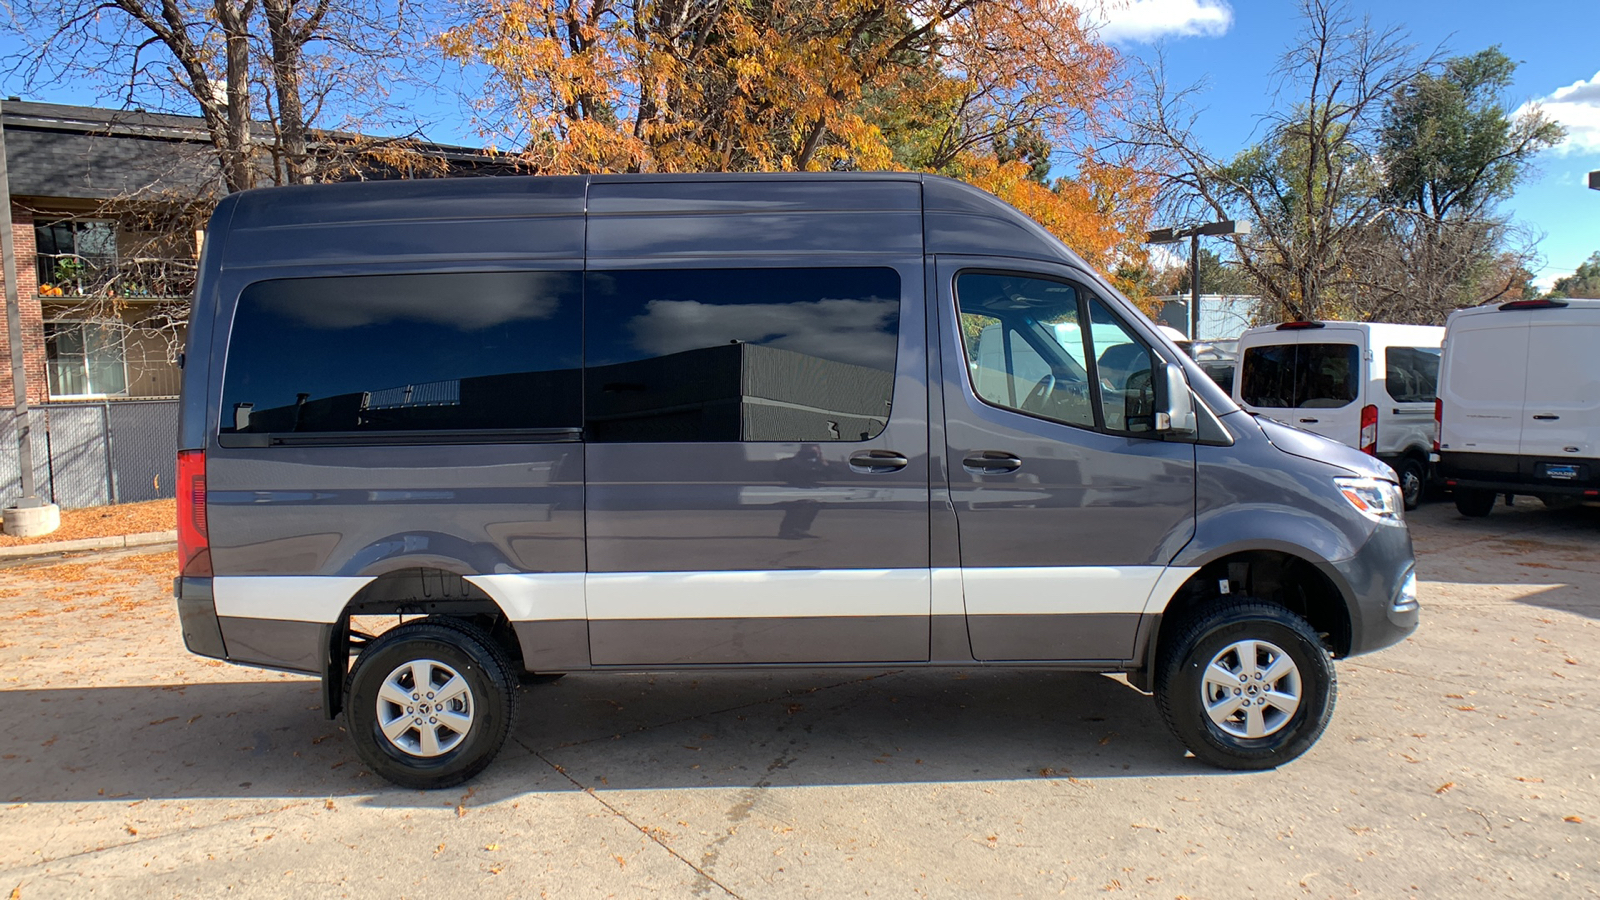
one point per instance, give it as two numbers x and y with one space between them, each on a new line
1461 763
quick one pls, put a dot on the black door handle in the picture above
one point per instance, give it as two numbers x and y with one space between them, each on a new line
876 462
991 462
1308 421
1545 417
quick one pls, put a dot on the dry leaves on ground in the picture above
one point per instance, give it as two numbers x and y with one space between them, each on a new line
105 521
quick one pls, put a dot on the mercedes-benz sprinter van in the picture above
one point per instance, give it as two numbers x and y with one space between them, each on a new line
642 423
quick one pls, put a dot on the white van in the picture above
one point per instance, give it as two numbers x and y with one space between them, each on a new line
1519 403
1368 385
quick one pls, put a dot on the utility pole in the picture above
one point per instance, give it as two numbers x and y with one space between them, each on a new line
29 515
1193 233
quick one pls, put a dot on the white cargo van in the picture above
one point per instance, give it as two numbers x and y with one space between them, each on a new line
1519 403
1368 385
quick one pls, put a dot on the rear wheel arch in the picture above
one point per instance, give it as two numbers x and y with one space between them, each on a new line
406 594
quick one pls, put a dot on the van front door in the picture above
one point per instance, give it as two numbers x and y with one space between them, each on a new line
1068 505
757 462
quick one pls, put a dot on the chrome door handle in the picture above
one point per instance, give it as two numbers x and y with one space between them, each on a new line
877 462
992 462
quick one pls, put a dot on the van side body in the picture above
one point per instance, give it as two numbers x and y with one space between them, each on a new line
624 423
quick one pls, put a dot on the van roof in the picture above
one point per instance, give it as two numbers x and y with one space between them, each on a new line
1380 331
1495 307
328 223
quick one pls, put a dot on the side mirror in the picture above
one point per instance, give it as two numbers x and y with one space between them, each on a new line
1178 417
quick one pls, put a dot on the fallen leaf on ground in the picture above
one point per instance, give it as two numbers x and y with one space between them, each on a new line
1444 787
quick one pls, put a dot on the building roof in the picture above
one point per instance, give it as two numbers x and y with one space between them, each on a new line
85 152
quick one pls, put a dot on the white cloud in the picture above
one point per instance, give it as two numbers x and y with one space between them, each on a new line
1577 108
1150 20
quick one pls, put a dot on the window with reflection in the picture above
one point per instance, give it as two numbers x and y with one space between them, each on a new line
1045 348
789 354
460 351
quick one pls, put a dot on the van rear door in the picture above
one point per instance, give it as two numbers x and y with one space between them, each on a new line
1483 386
1307 377
1561 408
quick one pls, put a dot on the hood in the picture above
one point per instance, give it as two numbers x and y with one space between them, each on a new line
1306 445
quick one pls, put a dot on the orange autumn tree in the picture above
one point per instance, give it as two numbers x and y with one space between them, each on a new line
996 93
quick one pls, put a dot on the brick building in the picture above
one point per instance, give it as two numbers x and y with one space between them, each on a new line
105 206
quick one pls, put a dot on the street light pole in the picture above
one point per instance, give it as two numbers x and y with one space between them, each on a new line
29 515
1194 233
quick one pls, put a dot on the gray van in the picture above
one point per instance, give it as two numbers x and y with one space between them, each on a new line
625 423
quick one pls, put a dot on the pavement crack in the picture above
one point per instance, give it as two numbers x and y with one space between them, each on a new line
616 811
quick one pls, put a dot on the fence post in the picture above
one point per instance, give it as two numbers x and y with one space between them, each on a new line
111 460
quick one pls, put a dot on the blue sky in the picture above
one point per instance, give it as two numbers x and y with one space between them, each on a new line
1232 46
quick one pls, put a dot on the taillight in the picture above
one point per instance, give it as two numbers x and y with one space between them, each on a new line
1438 422
1369 430
194 544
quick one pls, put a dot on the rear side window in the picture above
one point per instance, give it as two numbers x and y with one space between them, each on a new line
718 355
435 352
1300 376
1411 374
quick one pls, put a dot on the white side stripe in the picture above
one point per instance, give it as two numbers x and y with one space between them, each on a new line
297 598
535 598
762 594
1023 590
1058 590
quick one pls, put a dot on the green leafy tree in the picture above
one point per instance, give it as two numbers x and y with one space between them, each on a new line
1450 153
1584 283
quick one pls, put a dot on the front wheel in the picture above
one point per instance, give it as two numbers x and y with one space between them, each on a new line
1245 685
429 703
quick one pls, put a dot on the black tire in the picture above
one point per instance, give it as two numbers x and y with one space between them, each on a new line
1413 481
1211 633
1475 502
449 646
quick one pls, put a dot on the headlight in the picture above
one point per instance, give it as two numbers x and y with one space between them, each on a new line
1377 500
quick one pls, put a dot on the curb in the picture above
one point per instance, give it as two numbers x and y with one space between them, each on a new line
112 542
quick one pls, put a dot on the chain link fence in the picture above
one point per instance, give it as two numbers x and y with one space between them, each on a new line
97 452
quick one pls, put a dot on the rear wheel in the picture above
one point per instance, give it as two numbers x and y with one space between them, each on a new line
1474 502
429 703
1413 480
1245 685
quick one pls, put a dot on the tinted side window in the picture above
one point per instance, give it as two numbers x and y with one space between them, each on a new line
1308 376
1267 377
461 351
1411 374
740 354
1326 375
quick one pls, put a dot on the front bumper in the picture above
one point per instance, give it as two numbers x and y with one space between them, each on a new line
1372 580
1534 476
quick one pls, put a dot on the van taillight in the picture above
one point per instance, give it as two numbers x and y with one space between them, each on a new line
1369 430
1438 422
194 544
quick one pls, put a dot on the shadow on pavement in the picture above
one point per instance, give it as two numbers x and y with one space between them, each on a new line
605 732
